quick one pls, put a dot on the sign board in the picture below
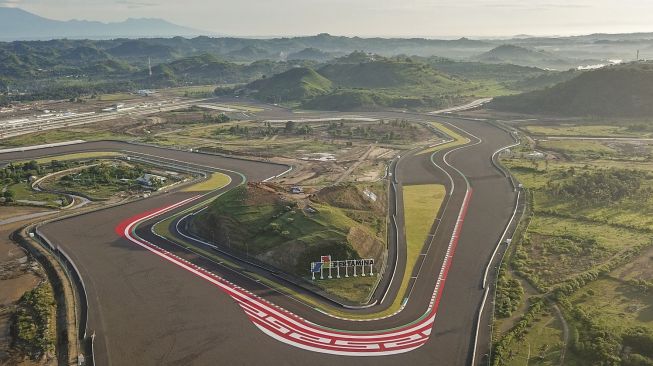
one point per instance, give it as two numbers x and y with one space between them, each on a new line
354 266
326 261
316 267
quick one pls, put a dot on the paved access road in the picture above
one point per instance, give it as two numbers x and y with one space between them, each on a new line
145 310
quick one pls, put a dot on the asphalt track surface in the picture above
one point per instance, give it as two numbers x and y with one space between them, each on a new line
146 311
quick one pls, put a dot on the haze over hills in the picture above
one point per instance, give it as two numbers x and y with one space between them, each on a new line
359 81
615 91
517 55
18 24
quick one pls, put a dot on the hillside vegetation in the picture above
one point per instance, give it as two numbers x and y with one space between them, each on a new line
289 232
386 73
518 55
363 81
294 84
615 91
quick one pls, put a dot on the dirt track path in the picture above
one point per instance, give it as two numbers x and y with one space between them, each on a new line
353 167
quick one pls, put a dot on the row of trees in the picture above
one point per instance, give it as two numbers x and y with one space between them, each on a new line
211 118
601 186
102 174
509 294
290 128
14 173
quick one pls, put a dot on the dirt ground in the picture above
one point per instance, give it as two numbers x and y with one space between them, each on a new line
9 212
18 274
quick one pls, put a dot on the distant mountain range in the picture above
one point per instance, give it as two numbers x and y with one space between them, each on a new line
18 24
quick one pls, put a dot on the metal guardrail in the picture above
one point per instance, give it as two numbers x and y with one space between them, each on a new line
518 199
66 262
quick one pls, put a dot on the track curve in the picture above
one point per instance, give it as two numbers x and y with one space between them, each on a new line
142 307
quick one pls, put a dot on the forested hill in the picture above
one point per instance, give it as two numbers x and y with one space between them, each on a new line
614 91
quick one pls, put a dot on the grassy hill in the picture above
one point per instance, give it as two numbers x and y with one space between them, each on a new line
387 73
295 84
614 91
517 55
209 69
283 232
365 81
360 99
250 53
310 53
483 71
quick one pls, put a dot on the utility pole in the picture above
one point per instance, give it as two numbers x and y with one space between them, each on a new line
638 55
149 65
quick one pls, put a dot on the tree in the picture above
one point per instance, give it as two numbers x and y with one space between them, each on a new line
8 195
32 165
290 126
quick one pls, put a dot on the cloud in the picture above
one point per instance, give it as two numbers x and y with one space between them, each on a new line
10 3
132 4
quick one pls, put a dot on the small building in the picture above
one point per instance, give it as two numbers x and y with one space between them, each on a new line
536 155
370 195
296 190
150 180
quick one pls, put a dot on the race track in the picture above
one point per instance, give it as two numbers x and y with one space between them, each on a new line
146 310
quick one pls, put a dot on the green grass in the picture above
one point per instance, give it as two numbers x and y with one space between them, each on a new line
611 237
215 181
557 248
457 139
34 325
97 192
583 130
543 342
254 221
615 304
577 146
76 156
23 191
356 289
115 97
60 135
568 239
421 206
634 213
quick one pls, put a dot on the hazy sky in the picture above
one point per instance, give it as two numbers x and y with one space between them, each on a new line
429 18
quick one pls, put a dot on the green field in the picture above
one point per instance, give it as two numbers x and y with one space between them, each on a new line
541 345
115 97
457 139
215 181
59 135
583 130
23 191
576 146
77 156
421 206
589 238
615 304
